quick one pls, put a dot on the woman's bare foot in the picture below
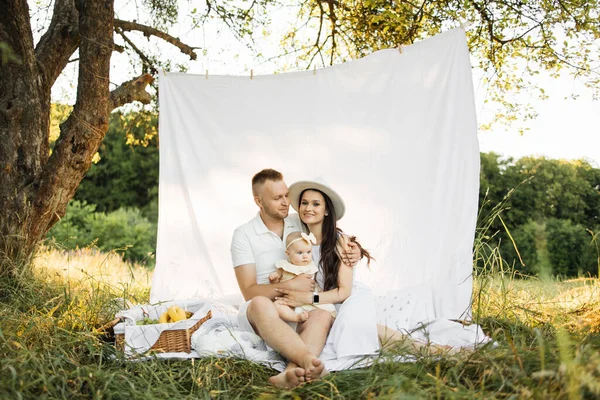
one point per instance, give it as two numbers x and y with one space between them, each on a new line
314 368
288 379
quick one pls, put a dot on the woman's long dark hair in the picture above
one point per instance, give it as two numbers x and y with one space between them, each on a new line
329 262
330 259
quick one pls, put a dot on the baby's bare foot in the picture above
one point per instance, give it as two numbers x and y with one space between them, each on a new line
303 316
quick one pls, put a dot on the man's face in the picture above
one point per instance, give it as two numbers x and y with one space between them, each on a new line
273 199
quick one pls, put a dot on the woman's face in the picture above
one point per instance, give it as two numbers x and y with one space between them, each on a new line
312 207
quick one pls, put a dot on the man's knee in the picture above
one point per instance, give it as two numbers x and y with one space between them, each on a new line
261 308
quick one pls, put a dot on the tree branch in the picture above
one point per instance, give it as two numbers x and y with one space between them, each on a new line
133 90
59 42
140 53
333 19
82 133
149 31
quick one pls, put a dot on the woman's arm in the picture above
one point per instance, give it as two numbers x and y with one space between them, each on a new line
344 289
338 295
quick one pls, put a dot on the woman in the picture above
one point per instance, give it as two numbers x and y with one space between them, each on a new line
355 331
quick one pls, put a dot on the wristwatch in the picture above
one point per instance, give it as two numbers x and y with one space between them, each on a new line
315 297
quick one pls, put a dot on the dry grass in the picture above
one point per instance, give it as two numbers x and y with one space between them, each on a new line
90 265
545 332
573 304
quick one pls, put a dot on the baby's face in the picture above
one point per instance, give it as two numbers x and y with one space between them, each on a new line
300 253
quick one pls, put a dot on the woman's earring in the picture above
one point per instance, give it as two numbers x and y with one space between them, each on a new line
326 214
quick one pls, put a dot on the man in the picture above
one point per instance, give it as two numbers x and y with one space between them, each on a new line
255 248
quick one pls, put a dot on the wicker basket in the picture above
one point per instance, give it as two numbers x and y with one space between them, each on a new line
170 341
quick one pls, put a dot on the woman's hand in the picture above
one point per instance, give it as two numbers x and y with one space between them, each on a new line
292 298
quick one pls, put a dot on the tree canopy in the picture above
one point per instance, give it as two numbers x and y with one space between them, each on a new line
511 41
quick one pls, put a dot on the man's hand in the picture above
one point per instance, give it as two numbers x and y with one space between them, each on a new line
301 283
292 298
348 251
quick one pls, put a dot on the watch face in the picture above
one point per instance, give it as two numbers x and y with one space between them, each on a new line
315 298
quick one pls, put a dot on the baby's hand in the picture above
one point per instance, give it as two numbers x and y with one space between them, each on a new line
274 277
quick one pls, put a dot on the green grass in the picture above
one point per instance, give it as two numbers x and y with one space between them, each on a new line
547 335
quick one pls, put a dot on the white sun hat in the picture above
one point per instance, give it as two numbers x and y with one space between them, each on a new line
298 187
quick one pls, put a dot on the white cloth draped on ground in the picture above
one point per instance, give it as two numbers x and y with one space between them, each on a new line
394 133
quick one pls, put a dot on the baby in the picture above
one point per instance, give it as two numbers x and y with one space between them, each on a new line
299 253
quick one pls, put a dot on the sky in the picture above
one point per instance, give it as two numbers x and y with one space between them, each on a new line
565 128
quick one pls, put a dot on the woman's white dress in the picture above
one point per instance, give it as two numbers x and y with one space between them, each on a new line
354 331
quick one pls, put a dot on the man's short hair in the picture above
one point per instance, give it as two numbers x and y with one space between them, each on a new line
265 175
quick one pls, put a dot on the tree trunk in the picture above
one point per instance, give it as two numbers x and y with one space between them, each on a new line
35 187
23 119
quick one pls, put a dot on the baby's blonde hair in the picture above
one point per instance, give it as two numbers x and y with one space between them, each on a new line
292 236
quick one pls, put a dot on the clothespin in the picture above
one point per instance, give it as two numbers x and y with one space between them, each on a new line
206 74
315 69
164 72
251 73
400 48
465 24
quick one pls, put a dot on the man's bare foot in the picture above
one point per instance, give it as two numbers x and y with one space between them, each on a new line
290 378
314 368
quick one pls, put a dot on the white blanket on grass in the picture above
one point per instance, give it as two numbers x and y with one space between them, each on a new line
220 337
394 133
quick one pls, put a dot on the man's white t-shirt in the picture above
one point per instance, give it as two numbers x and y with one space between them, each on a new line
254 243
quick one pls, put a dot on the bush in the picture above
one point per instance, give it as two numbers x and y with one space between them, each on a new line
71 231
529 239
553 247
125 230
571 249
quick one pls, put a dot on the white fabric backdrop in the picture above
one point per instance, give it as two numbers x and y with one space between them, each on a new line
394 134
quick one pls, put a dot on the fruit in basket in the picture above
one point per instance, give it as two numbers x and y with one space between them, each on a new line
147 321
176 313
173 314
164 318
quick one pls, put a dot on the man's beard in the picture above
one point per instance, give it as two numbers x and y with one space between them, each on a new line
276 214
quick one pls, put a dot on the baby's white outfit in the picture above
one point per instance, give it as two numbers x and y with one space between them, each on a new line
290 271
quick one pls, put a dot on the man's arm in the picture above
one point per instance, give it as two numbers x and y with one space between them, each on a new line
245 272
246 277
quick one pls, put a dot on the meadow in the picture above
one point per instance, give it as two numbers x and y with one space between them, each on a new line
53 344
